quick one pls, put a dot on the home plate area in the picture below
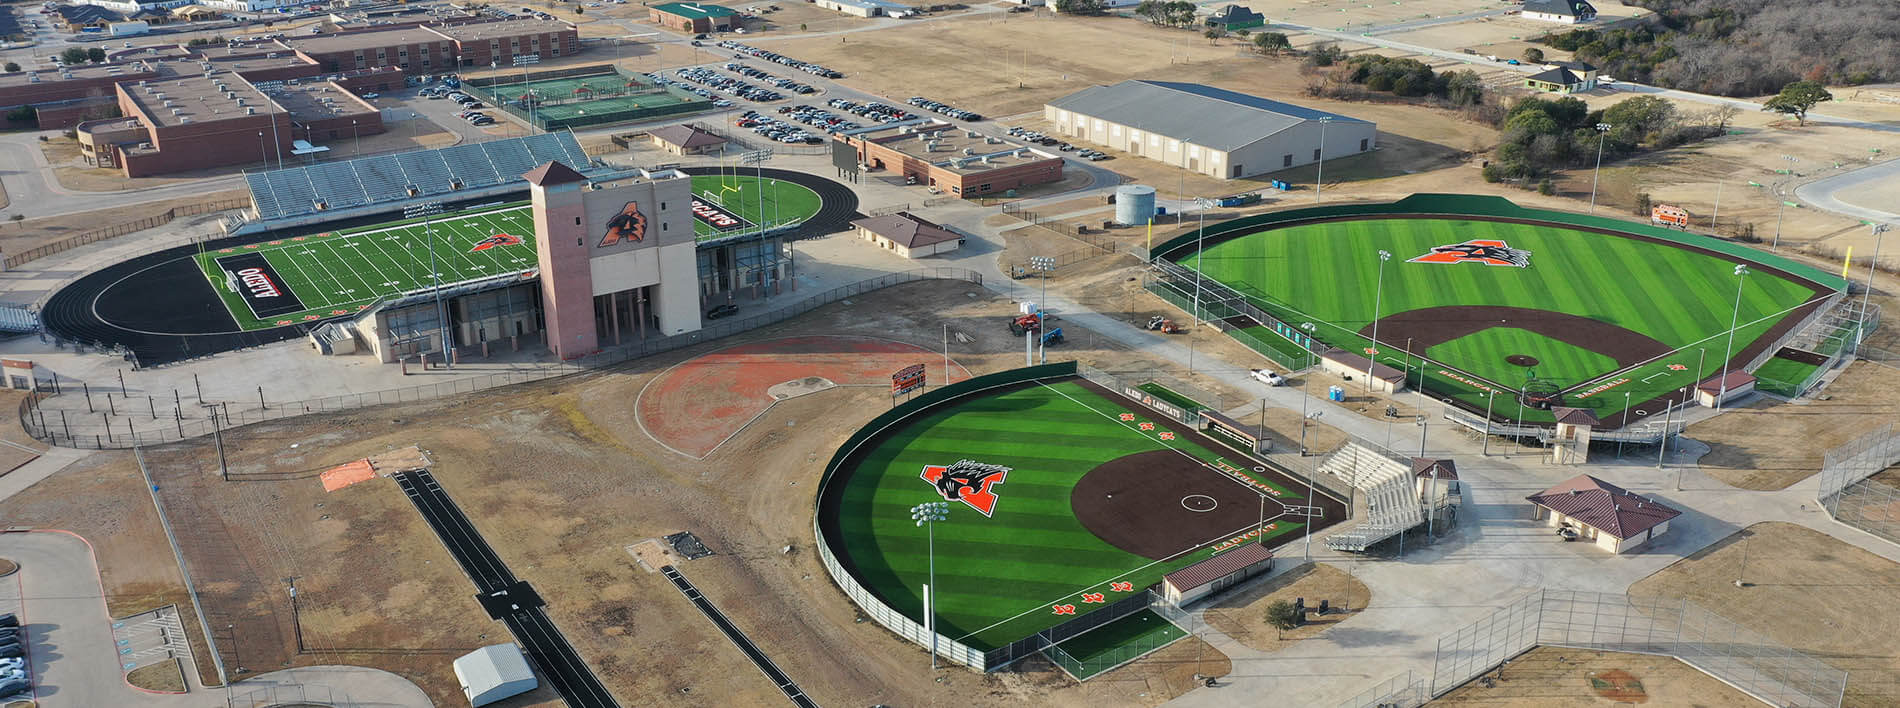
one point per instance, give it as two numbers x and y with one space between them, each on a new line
700 403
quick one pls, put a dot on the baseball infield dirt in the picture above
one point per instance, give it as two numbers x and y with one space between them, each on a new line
1160 503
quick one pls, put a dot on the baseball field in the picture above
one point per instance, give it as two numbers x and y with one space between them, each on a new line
1100 497
1472 305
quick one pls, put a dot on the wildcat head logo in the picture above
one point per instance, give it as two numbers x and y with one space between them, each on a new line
968 481
1488 252
496 241
629 225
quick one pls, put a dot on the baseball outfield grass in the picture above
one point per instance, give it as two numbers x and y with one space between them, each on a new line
1000 578
1329 274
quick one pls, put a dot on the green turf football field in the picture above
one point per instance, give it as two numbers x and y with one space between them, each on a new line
999 577
1327 273
339 272
767 201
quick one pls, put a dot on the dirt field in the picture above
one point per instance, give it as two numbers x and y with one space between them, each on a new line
1806 590
1766 445
17 237
1558 677
1243 615
561 479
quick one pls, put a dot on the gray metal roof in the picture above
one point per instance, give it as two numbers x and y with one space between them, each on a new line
1193 113
1568 8
492 667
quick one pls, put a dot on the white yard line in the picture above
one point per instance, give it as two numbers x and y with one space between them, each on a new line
353 273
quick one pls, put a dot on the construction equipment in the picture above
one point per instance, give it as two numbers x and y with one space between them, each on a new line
1025 323
1163 325
1053 336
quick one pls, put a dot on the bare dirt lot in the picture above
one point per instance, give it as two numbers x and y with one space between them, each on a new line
1806 590
1573 678
25 235
560 479
1243 615
1767 445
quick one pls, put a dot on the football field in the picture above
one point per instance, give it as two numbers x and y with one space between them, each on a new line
1030 562
318 276
734 204
1606 318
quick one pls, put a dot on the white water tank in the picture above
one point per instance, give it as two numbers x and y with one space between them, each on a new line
1134 204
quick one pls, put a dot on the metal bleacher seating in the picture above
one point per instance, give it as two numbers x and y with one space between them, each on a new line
380 175
295 191
1391 499
470 164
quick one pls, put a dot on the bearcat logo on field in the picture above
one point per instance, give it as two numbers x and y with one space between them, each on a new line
629 225
1488 252
495 241
968 481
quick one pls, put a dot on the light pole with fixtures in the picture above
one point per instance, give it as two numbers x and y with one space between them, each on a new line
1378 293
428 211
1603 129
1319 176
927 515
1043 265
1741 277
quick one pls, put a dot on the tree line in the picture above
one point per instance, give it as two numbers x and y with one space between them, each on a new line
1747 47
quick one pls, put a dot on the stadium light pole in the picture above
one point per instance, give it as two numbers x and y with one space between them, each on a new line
1044 265
358 136
1780 211
1603 129
1626 424
1741 276
262 152
1378 293
1489 397
524 61
428 211
1319 177
1880 231
927 515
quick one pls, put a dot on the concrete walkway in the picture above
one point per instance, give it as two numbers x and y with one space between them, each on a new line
62 607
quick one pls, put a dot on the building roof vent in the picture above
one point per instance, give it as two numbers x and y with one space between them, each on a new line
969 151
182 121
250 111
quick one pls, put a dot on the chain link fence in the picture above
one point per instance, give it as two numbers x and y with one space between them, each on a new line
1849 491
1712 644
297 695
116 230
100 431
1154 624
1402 691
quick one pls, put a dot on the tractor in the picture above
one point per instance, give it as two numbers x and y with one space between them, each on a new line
1025 323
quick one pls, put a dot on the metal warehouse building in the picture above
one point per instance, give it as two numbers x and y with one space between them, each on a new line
1212 131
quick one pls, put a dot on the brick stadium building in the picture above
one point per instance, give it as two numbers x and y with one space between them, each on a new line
958 162
285 82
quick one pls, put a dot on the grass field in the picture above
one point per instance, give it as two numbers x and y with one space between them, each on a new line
1167 394
339 272
998 576
1781 376
1115 643
1328 274
757 201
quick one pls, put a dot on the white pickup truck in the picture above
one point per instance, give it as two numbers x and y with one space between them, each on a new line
1267 377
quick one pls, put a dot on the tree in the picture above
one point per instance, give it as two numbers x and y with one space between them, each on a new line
1242 34
1533 55
1546 188
1797 98
1181 12
72 55
1214 34
1282 615
1079 7
579 10
12 67
1151 9
96 55
1271 43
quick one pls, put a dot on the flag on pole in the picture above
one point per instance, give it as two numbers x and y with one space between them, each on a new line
1848 260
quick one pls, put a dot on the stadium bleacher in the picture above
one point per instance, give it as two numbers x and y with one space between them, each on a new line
296 191
1385 482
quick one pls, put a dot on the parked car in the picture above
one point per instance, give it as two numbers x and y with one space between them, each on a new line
1267 377
372 94
722 311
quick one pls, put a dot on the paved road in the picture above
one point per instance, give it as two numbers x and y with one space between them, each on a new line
1822 192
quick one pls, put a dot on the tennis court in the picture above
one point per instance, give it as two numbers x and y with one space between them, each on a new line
593 99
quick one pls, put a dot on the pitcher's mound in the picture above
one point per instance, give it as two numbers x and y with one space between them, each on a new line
799 387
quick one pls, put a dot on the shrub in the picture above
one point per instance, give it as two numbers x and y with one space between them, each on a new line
1545 188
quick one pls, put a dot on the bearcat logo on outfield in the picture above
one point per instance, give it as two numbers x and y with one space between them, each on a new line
1488 252
629 225
496 241
968 481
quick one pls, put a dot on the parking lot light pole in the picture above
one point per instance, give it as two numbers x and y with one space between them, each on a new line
1378 292
428 211
1603 129
927 515
1741 276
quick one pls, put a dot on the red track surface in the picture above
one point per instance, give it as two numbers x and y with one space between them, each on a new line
697 404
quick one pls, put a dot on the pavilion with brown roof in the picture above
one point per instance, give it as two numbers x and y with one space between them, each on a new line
686 140
1615 519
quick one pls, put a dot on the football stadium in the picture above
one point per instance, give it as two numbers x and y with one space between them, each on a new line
1068 499
1496 307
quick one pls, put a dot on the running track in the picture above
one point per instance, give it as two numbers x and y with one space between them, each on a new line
552 655
739 639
